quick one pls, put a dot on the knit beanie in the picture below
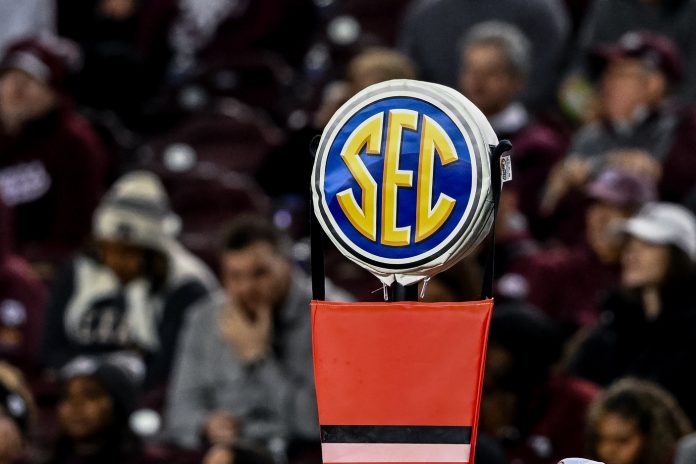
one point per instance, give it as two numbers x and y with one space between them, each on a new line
47 58
120 374
136 211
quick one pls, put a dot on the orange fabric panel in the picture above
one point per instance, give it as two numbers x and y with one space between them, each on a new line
400 363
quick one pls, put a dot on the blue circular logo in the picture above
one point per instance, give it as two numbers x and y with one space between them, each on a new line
397 179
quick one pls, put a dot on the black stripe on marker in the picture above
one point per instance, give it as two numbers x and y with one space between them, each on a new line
420 434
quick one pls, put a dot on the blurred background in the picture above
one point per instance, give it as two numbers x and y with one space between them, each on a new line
154 192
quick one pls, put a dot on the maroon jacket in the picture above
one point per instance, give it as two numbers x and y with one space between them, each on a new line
52 176
566 283
22 298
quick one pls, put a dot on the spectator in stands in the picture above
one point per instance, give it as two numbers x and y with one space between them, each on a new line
536 415
16 414
648 328
635 422
110 34
637 129
134 290
52 166
97 398
371 66
244 368
495 63
22 300
205 33
431 29
287 170
607 20
568 283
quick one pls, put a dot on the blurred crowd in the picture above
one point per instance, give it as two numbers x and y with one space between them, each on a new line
154 191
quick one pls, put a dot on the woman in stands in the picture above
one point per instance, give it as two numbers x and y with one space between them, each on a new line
133 292
635 422
648 324
96 400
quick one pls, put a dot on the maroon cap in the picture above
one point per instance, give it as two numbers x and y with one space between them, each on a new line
656 51
47 58
622 188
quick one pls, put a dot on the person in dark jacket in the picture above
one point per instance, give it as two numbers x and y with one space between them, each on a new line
648 326
52 165
638 127
134 291
607 20
495 63
22 300
568 283
109 34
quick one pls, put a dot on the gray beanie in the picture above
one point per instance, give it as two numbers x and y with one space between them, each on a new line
136 211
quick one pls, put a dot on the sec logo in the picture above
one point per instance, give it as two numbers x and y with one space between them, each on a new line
401 177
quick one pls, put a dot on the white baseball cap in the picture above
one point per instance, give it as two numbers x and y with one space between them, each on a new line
665 224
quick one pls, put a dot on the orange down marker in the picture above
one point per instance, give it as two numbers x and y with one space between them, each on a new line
399 382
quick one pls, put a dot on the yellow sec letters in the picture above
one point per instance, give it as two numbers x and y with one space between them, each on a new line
429 219
394 178
434 141
363 218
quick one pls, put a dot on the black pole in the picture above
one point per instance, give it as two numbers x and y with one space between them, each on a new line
398 292
496 186
316 237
